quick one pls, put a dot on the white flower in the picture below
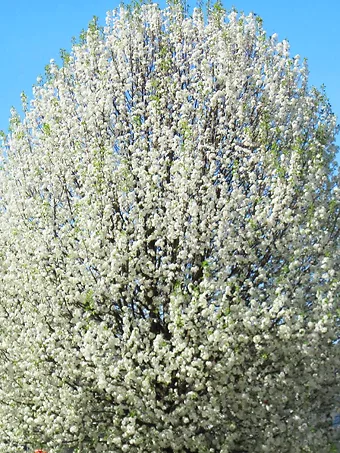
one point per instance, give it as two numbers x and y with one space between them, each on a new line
169 242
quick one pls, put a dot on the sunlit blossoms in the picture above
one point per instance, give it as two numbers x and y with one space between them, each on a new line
169 235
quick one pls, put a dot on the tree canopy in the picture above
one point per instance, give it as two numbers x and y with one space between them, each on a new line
169 235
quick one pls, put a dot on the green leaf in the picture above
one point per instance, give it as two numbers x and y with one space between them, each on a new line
46 128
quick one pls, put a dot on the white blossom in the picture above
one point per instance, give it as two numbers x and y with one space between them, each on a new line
170 245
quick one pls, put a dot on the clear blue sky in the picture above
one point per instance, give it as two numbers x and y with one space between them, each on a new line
32 32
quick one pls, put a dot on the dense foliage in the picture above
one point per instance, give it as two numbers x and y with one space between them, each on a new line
169 231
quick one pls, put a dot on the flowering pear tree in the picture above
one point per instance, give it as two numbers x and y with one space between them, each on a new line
169 231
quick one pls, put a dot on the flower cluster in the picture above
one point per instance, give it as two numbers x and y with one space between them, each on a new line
169 235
